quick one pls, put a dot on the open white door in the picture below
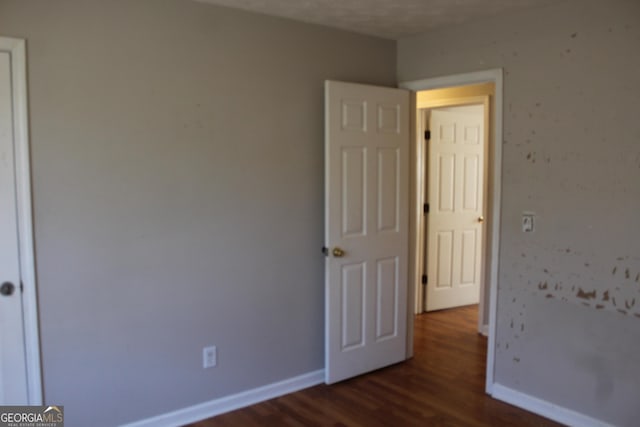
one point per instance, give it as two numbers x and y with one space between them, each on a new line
456 208
19 347
13 375
366 227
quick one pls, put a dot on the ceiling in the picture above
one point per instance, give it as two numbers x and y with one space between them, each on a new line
391 19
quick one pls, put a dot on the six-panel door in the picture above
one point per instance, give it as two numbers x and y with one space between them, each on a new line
366 190
455 221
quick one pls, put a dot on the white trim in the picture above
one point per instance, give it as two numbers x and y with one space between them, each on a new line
17 50
494 76
544 408
453 80
219 406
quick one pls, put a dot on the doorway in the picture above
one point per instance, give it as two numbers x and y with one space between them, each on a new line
462 89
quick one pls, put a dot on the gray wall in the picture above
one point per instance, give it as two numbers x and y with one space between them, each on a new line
178 192
569 293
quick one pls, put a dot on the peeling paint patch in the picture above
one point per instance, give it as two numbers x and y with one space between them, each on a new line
531 156
516 359
622 311
599 307
550 296
586 295
614 270
627 274
605 296
630 304
574 35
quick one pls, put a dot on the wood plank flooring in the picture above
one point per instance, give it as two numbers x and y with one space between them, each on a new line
443 385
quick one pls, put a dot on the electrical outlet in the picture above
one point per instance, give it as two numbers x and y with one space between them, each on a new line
209 357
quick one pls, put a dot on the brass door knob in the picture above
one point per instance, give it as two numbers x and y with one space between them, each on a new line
480 218
337 252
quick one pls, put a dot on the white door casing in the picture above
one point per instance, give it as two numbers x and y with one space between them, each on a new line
494 180
456 214
20 381
366 217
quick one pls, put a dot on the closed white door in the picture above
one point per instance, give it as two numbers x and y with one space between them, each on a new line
13 380
456 207
366 227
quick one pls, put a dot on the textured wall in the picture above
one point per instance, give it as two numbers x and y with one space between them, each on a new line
178 192
569 293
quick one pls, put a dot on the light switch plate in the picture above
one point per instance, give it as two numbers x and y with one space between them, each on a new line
528 222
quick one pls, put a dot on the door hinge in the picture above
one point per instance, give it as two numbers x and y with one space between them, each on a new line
424 279
425 208
427 135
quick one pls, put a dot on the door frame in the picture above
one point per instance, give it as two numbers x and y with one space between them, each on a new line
492 239
17 50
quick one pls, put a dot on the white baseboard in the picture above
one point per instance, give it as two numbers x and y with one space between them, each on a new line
233 402
544 408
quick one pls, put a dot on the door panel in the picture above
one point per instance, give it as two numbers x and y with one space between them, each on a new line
353 300
366 216
353 192
455 228
386 295
472 180
445 191
445 258
388 189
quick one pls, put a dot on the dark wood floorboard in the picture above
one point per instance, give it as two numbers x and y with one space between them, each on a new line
443 385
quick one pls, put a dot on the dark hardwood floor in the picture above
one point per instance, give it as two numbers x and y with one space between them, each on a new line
443 385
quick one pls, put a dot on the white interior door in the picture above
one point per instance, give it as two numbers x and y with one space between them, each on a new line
13 375
456 207
366 227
